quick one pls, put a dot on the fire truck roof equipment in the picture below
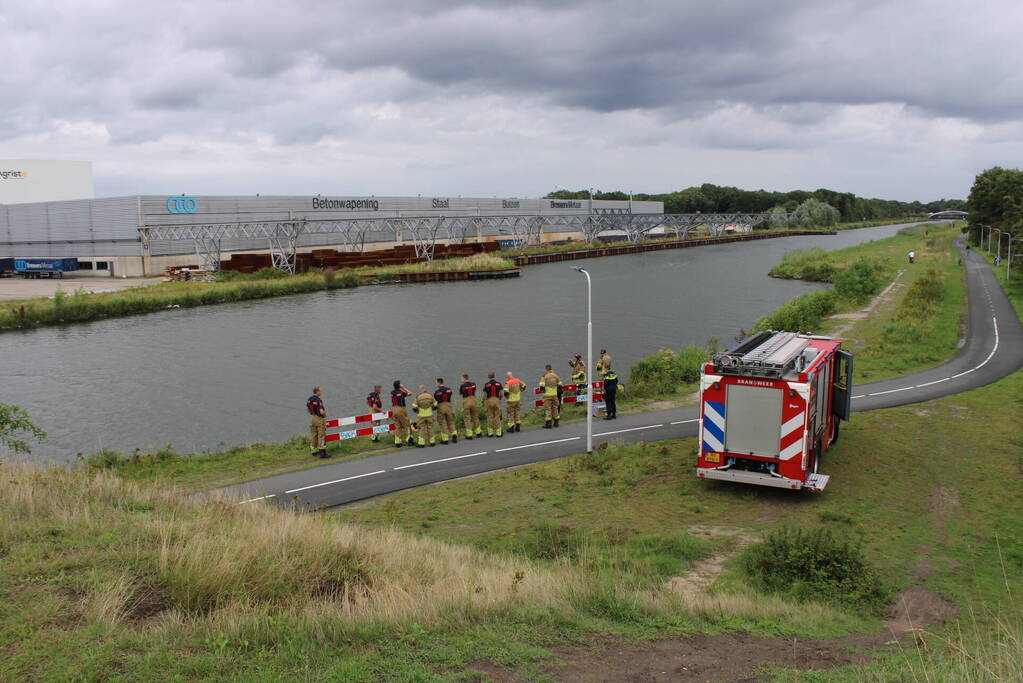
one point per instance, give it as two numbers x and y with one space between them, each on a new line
768 354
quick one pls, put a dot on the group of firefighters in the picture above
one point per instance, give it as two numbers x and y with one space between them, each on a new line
437 407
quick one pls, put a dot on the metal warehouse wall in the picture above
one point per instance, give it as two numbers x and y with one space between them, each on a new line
108 227
83 227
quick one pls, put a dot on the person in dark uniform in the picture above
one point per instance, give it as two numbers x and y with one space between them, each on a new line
445 413
470 409
375 406
402 431
492 404
611 394
317 430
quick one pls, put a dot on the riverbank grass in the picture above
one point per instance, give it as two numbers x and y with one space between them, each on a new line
80 306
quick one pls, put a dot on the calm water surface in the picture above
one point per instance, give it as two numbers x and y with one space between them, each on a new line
201 379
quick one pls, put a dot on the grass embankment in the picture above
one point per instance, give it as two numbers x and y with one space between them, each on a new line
81 306
132 581
930 492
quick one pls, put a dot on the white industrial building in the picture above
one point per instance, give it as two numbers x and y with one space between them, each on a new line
106 234
39 180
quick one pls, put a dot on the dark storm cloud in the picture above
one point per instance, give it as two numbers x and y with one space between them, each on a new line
652 54
385 81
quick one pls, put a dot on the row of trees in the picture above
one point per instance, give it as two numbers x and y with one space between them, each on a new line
708 198
996 199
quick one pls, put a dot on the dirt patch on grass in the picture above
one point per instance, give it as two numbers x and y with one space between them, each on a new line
888 295
916 608
703 658
148 600
734 657
705 572
944 502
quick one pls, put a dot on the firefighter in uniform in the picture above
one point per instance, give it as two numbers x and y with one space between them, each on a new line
445 413
317 430
578 369
604 364
375 406
470 410
611 394
513 394
492 404
424 409
550 383
402 430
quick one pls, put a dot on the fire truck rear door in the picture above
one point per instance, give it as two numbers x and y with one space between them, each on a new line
754 417
841 402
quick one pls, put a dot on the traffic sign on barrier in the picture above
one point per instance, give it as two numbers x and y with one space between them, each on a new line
361 431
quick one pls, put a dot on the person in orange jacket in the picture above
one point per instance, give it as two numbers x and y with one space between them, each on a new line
513 388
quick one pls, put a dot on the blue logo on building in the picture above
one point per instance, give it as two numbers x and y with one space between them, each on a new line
182 204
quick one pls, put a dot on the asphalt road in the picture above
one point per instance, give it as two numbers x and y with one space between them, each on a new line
993 348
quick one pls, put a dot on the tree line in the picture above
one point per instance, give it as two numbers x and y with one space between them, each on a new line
996 200
708 198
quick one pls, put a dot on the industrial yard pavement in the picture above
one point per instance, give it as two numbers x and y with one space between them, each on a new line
12 288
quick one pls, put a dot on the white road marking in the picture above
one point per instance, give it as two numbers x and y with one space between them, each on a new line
253 500
633 429
890 391
682 422
542 443
994 349
336 481
433 462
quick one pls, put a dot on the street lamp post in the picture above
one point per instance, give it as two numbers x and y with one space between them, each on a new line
1008 261
589 359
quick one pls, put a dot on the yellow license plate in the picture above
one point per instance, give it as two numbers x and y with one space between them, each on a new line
712 457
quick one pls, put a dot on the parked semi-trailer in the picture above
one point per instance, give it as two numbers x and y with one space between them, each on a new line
6 267
770 407
44 267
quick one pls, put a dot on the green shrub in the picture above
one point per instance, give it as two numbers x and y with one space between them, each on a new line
858 282
805 264
923 296
347 280
816 565
268 274
105 459
665 372
801 314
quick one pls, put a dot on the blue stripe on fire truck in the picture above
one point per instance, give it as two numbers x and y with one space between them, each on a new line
713 426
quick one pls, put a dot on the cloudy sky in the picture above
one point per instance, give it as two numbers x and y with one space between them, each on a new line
903 99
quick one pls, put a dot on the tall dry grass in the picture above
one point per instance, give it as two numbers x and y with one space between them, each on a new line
155 553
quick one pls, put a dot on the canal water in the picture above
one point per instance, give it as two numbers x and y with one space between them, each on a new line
208 378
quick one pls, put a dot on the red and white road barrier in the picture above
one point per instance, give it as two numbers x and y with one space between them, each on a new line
577 398
356 419
361 431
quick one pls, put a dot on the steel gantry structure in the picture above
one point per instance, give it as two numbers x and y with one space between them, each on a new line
282 236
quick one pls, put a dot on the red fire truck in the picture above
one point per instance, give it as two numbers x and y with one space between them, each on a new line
770 407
